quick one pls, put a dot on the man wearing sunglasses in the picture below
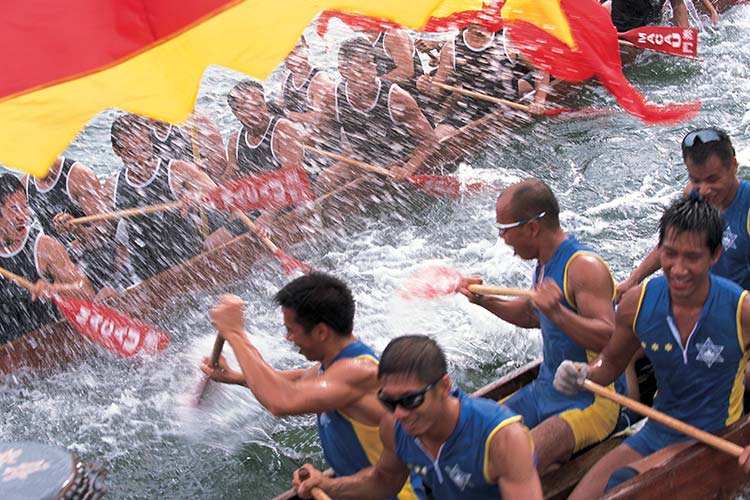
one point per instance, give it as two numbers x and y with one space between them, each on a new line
712 171
571 304
461 446
340 387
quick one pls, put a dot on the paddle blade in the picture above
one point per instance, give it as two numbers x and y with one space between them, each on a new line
430 283
277 189
116 332
446 185
681 42
291 265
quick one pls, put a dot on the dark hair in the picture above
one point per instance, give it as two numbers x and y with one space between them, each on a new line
319 298
241 87
532 197
413 355
695 215
9 184
357 48
124 125
704 144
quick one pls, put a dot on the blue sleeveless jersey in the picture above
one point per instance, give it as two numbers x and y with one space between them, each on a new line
703 383
460 469
350 446
734 262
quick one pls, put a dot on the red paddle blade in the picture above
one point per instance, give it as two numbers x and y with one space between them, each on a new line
278 189
675 41
446 185
430 283
290 264
117 333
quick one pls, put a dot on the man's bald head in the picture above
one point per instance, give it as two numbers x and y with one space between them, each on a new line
531 197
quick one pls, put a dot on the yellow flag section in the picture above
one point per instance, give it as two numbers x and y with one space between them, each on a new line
546 15
161 81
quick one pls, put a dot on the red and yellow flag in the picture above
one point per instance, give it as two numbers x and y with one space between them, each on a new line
575 40
64 62
449 15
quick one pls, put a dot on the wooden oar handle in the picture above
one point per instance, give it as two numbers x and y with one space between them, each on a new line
28 285
664 419
483 97
131 212
350 161
317 493
500 290
252 226
216 352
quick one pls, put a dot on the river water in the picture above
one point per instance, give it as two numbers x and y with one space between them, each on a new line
612 176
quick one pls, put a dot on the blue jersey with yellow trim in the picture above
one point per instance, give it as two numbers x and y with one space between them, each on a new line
703 383
348 445
557 346
734 262
460 468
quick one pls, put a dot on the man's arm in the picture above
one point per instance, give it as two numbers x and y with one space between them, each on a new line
86 190
406 110
680 16
591 288
399 46
383 480
67 279
189 181
613 359
646 268
288 145
224 374
511 464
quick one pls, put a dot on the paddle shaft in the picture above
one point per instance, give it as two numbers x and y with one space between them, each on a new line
500 290
131 212
215 355
483 97
252 226
351 161
28 285
316 492
664 419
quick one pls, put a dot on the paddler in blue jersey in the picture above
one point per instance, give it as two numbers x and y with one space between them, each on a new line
694 326
571 305
461 446
340 387
712 173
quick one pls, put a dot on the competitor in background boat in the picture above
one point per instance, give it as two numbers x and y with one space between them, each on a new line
340 387
161 240
461 446
484 62
396 57
208 150
712 172
694 327
631 14
572 305
170 141
380 123
40 259
70 190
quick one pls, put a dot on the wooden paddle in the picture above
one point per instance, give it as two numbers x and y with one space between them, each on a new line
215 355
316 492
436 185
288 264
664 419
114 331
432 282
522 107
131 212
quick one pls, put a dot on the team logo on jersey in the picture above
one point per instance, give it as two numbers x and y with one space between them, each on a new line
728 239
324 420
709 353
460 478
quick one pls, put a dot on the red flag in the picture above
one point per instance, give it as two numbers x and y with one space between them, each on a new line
578 42
116 332
276 189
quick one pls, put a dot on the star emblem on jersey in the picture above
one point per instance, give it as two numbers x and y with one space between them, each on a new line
459 477
728 239
324 420
709 353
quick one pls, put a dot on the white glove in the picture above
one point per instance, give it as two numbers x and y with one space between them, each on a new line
570 377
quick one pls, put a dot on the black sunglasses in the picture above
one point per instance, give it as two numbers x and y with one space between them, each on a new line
704 136
408 401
